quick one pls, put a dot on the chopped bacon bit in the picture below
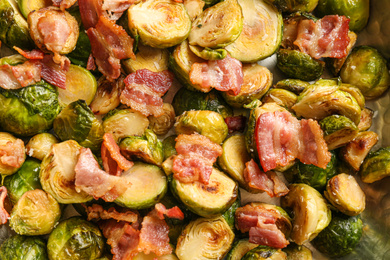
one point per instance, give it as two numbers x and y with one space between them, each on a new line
4 216
198 144
96 182
327 37
21 75
174 212
31 55
115 9
91 63
12 153
235 123
144 90
264 181
54 73
96 211
64 4
224 75
90 11
261 224
113 161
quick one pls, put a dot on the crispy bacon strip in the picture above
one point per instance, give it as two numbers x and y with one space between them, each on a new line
113 161
90 11
224 75
12 153
96 211
264 181
4 216
54 73
31 55
174 212
328 37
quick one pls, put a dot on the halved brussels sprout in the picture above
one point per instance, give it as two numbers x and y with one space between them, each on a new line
25 179
146 148
76 239
218 25
35 213
207 53
169 146
355 92
340 237
257 81
13 27
357 11
265 253
149 58
29 110
205 238
159 23
261 32
311 213
39 145
323 99
77 122
207 200
148 186
294 85
185 100
291 6
366 69
27 6
8 140
338 131
296 252
345 194
162 124
282 97
240 248
20 247
376 166
355 152
194 7
205 122
125 122
299 65
365 119
57 173
152 256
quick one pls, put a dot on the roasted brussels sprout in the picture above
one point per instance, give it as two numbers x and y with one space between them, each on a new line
257 81
366 69
282 97
20 247
261 33
35 213
357 11
208 53
296 252
218 25
8 141
355 92
25 179
345 194
75 238
365 119
152 256
291 6
185 100
29 110
265 253
57 173
77 122
299 65
294 85
205 122
311 213
13 27
194 7
39 145
240 248
12 60
323 99
170 24
376 166
205 238
107 95
125 122
169 146
340 237
338 131
147 148
162 124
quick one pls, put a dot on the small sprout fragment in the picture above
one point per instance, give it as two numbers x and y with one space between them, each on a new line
282 97
39 145
338 131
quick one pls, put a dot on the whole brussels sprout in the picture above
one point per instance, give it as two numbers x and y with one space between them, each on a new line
366 69
25 179
29 110
376 166
20 247
75 239
35 213
39 145
291 6
9 142
77 122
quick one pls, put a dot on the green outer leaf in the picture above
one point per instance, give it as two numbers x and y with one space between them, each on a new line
229 214
20 247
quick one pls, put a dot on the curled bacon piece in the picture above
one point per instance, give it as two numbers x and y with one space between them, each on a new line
12 153
174 212
96 211
31 55
21 75
113 161
4 216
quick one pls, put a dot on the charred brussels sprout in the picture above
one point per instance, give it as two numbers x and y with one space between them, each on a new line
39 145
338 131
340 237
205 238
162 124
240 248
365 119
25 179
265 253
366 69
76 239
218 25
291 6
207 123
296 252
376 166
20 247
147 148
299 65
29 110
311 213
186 100
294 85
8 140
13 27
77 122
281 97
159 23
35 213
357 11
